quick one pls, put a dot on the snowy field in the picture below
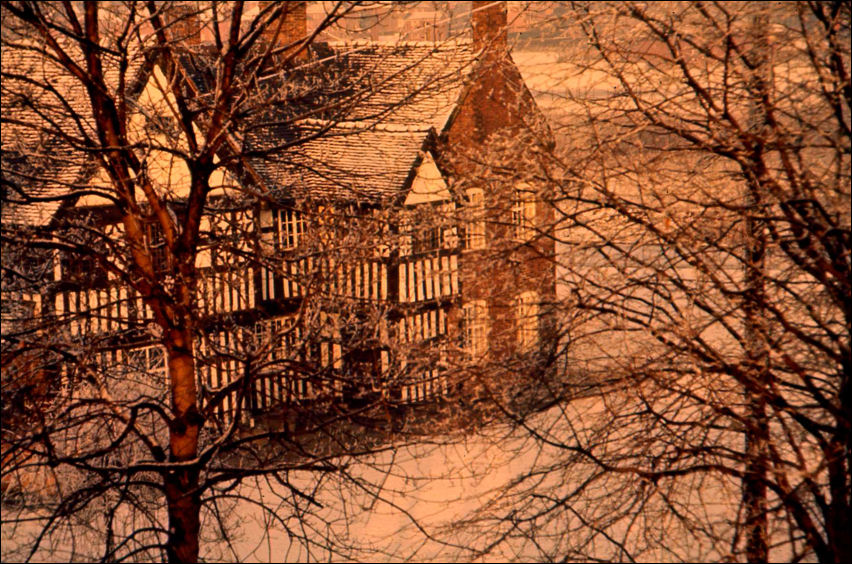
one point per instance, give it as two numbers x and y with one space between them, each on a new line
472 497
462 498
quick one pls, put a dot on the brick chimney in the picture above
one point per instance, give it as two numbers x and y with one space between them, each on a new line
489 22
184 23
290 27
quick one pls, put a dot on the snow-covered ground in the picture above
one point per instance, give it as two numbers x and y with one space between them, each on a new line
476 496
385 508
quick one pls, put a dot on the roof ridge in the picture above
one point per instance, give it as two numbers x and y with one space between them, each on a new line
456 42
360 125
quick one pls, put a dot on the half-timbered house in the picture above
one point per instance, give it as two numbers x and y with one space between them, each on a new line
358 243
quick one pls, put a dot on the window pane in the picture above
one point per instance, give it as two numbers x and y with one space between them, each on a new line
291 228
523 215
527 319
475 220
473 327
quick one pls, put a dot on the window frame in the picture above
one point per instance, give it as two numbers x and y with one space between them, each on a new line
523 213
150 360
474 233
279 335
527 312
427 240
155 240
290 228
474 327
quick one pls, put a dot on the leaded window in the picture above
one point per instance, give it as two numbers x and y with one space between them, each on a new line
474 235
526 319
523 214
474 325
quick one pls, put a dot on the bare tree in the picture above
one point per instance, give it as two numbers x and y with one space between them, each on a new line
140 215
702 411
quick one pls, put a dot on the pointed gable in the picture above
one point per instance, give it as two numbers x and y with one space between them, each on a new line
428 184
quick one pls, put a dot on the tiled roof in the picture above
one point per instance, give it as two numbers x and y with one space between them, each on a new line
342 162
43 130
26 147
393 95
411 84
378 100
35 185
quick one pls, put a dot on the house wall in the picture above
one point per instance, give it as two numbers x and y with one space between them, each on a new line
498 124
417 294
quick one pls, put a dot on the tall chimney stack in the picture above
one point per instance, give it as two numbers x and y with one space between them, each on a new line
290 27
489 22
184 23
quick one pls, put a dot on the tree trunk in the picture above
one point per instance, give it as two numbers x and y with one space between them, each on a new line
184 505
181 484
839 469
757 366
754 482
755 330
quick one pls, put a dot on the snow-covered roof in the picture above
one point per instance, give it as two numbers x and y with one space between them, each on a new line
371 107
46 117
342 162
394 95
416 84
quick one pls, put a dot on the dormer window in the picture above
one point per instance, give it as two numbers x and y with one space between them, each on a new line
427 240
291 228
422 234
81 267
284 226
83 270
